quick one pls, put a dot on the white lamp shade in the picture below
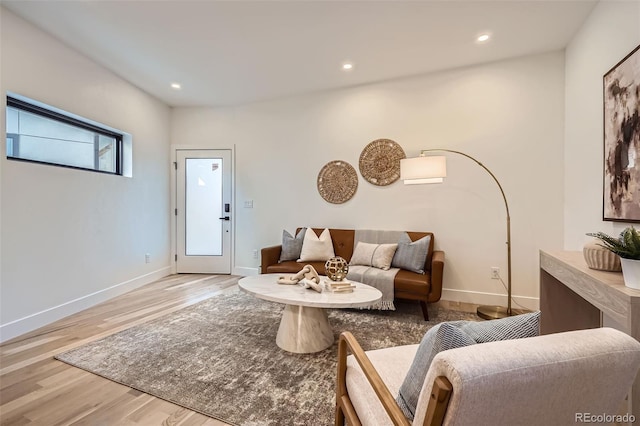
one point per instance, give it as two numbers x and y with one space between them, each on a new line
423 169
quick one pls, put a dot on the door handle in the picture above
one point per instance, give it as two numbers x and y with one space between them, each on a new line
225 218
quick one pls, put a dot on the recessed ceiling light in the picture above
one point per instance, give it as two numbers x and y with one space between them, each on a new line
347 66
483 37
176 86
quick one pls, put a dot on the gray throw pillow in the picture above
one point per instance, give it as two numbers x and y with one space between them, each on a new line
291 246
440 337
456 334
411 255
516 327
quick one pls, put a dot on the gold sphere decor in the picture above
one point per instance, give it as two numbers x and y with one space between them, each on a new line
336 268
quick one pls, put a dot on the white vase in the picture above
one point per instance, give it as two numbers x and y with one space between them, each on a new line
631 273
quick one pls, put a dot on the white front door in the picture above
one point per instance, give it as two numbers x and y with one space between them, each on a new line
203 186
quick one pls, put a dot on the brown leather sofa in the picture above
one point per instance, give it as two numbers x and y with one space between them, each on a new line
425 288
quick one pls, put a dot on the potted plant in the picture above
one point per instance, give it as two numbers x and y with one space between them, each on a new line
627 246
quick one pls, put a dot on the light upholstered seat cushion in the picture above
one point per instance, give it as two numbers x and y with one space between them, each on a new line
392 364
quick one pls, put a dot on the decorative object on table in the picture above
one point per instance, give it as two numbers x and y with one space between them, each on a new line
627 246
336 268
599 258
433 169
308 277
380 162
337 182
311 284
621 201
344 286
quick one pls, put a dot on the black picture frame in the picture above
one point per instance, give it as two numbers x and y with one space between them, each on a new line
621 99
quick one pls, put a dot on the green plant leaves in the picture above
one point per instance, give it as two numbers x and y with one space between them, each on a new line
626 246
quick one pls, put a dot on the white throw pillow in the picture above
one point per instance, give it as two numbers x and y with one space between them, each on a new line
316 248
376 255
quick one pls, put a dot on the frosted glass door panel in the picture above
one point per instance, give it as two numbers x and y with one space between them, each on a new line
203 211
204 207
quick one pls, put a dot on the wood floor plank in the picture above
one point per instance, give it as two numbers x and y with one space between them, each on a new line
36 389
35 343
54 387
30 374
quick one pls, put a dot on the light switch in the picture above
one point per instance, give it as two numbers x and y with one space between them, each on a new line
248 204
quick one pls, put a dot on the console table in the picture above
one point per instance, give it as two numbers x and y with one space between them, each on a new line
574 297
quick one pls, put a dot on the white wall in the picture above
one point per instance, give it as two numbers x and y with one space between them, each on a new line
609 34
507 114
70 236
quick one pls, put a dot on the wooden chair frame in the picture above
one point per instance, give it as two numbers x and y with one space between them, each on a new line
438 402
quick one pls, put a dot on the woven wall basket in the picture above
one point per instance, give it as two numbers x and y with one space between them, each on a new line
380 162
337 182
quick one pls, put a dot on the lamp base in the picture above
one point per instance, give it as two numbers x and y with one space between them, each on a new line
497 312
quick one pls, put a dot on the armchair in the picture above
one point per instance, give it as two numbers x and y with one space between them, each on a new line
548 379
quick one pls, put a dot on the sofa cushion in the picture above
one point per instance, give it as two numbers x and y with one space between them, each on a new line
291 246
376 255
343 241
455 334
316 248
290 267
411 255
411 282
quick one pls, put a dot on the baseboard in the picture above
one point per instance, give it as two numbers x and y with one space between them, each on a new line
245 271
34 321
479 298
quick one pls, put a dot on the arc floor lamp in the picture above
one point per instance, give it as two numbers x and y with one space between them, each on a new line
433 169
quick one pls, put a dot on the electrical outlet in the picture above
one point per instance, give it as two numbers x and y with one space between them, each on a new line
495 273
255 254
248 204
147 258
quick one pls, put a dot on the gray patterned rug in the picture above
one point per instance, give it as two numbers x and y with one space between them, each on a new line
219 357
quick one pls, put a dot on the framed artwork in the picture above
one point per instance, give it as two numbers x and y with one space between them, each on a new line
622 140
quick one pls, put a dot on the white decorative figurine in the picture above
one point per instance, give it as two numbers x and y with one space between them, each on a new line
308 277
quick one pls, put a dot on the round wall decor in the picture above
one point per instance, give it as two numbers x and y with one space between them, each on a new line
380 162
337 182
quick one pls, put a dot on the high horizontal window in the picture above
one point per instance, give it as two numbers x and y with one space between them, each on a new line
39 134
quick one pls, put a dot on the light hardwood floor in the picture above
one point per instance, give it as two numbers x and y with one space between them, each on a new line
36 389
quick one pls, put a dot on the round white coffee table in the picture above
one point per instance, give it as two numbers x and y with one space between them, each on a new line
304 327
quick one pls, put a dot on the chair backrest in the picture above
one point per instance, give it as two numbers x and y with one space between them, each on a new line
545 380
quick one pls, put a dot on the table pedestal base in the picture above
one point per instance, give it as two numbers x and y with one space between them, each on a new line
304 330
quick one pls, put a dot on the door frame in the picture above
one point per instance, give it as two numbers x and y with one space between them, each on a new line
174 199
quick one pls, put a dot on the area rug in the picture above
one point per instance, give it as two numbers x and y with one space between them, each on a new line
219 357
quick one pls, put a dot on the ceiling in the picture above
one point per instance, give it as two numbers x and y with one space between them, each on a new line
236 52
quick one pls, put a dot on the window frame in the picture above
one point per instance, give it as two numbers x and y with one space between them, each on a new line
72 121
